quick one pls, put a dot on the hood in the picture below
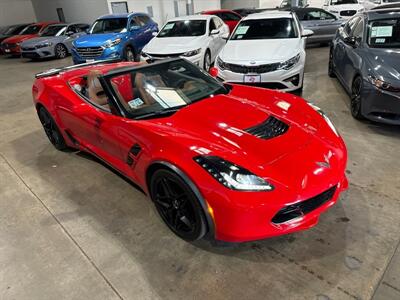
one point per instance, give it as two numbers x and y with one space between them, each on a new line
385 64
96 40
355 6
40 40
19 38
170 45
260 51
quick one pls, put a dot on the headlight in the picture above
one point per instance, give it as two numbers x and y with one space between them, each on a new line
221 64
231 175
44 45
380 84
113 43
327 120
289 63
192 53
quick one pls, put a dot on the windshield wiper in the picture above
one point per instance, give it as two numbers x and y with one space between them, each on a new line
161 113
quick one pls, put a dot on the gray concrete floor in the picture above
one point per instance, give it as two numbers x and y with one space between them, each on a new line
72 229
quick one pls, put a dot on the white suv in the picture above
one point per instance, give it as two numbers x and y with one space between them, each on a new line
343 8
266 49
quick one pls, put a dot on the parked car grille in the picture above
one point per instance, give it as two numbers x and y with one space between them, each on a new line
270 128
301 208
90 52
252 69
162 56
28 48
348 13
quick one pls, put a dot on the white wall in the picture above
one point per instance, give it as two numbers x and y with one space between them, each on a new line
74 10
16 11
232 4
201 5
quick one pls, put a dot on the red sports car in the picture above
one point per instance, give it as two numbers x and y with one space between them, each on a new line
12 44
229 17
233 162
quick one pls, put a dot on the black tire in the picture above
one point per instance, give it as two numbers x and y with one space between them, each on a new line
50 128
356 100
60 51
177 205
207 61
130 54
331 67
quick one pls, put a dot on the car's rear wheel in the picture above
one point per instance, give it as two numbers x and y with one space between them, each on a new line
331 67
177 205
60 51
355 102
207 61
51 129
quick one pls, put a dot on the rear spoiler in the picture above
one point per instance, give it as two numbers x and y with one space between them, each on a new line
57 71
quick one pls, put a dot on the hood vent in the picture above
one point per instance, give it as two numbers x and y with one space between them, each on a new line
270 128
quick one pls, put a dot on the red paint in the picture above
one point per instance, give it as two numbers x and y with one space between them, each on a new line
289 161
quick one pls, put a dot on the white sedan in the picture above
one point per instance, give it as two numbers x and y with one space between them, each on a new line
198 38
266 49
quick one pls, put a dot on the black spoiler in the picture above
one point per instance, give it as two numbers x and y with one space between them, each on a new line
57 71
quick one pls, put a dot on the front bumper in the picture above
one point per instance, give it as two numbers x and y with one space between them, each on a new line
12 49
380 105
285 80
107 53
38 53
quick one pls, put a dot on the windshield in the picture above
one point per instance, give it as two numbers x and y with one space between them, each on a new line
159 88
340 2
384 33
183 28
54 30
12 30
109 25
282 28
33 29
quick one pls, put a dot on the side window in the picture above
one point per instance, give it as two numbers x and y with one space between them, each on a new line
359 30
212 25
145 19
134 23
348 28
217 22
230 17
312 15
326 16
83 27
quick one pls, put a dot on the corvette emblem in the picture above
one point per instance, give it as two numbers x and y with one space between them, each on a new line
325 164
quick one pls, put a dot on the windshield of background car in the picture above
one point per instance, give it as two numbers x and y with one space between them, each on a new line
340 2
384 33
12 30
33 29
54 30
183 28
158 88
282 28
109 25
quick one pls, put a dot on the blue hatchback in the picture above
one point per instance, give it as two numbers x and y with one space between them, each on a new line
115 36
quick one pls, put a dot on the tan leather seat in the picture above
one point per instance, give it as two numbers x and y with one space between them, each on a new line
95 90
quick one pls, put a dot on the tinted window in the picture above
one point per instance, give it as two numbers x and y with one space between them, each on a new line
384 33
317 15
213 24
109 25
53 30
227 16
33 29
145 19
82 27
340 2
183 28
282 28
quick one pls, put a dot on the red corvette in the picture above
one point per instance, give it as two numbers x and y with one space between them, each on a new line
232 162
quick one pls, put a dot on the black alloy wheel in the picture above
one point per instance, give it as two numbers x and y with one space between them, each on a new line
61 51
331 68
177 205
207 61
355 102
50 128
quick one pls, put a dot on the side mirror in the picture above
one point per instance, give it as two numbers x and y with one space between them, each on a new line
352 41
214 32
154 33
307 33
213 72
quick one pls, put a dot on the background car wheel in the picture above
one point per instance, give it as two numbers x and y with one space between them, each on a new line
207 61
130 54
50 128
331 68
177 205
355 103
60 51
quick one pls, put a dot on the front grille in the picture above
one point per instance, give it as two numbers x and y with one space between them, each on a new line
348 13
28 48
300 209
270 128
242 69
90 52
161 56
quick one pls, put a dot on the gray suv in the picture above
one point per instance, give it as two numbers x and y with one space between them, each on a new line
55 41
365 57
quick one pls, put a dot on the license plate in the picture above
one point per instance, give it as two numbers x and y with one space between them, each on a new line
7 50
252 78
90 60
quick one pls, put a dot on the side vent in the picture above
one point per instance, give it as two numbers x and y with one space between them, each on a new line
270 128
133 153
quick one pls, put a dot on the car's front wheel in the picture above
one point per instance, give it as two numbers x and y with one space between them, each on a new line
177 205
60 51
51 129
355 102
207 61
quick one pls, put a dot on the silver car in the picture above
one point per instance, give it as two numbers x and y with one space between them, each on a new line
55 41
321 22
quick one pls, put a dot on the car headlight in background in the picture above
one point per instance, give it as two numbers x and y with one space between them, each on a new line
289 63
113 43
383 85
192 53
327 120
44 45
231 175
221 64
